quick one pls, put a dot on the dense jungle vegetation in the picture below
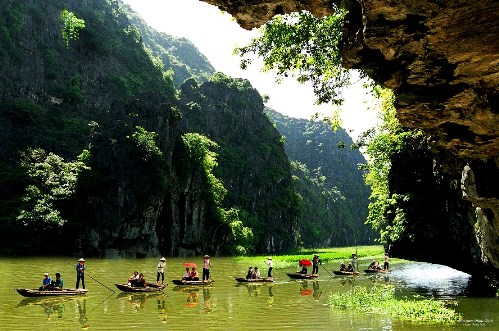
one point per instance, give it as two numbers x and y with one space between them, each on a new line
114 148
306 47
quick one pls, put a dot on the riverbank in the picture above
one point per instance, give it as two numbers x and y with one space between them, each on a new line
327 255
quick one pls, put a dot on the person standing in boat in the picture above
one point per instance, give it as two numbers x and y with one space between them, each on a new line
206 267
354 262
161 270
80 273
386 264
270 264
46 281
315 264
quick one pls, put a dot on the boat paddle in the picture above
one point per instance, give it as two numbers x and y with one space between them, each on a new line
326 270
110 289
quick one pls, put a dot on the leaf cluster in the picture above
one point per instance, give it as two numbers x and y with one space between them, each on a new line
304 47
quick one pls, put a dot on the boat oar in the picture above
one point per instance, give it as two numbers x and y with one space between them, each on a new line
110 289
326 270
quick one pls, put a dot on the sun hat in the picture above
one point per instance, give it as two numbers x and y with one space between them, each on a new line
46 274
206 256
162 259
269 258
81 260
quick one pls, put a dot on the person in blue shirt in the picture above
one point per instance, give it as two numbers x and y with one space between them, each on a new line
46 281
80 273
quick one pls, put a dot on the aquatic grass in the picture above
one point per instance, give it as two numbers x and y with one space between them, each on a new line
381 300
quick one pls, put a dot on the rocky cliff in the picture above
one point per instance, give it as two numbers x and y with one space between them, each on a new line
441 58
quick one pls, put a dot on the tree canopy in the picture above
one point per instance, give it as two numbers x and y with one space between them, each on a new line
304 47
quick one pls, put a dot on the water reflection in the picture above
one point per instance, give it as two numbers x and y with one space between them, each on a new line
163 317
192 297
138 300
82 311
207 300
50 307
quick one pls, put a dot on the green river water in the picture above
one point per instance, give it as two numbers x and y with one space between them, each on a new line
227 305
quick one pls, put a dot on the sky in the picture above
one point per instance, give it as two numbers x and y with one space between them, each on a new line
216 34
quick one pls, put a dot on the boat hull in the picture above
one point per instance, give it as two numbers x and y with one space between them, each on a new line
302 276
134 289
181 282
376 271
31 293
259 280
345 273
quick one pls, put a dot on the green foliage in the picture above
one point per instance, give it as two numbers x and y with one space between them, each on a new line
381 300
382 142
241 241
334 196
71 26
198 147
303 46
146 143
54 180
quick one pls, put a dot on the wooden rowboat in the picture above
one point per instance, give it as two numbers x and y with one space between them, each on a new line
297 275
182 282
25 292
151 287
376 271
257 280
345 273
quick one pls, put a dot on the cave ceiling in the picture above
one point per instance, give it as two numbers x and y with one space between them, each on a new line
440 57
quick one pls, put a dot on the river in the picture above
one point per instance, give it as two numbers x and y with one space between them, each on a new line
227 305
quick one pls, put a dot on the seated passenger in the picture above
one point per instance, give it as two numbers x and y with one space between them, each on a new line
194 274
350 268
378 266
187 274
256 273
132 281
141 282
304 269
343 267
372 265
58 283
249 275
47 281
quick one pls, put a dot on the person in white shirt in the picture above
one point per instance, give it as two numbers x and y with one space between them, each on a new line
270 264
161 270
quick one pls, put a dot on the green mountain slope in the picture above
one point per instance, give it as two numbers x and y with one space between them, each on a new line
335 197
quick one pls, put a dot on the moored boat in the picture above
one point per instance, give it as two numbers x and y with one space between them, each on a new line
254 280
181 282
345 273
297 275
151 287
25 292
376 271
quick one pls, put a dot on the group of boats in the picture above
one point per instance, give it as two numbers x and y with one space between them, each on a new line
153 287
